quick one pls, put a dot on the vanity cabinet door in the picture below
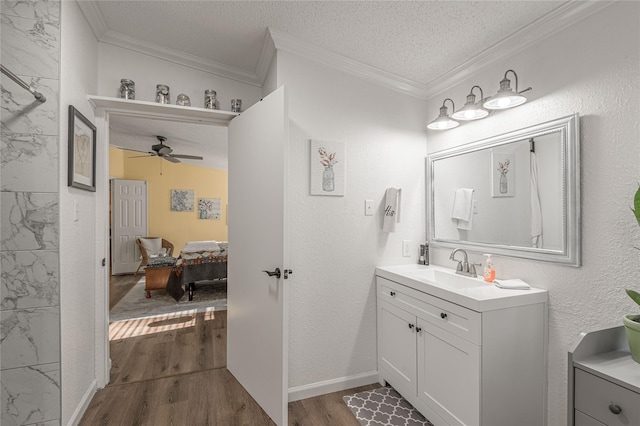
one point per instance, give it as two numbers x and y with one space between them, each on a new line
448 375
397 347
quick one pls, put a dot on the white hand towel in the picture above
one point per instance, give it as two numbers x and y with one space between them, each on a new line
536 210
392 200
512 284
463 208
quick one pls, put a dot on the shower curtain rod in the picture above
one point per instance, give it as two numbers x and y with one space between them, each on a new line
39 96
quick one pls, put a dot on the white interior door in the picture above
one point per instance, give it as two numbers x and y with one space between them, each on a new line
128 222
257 330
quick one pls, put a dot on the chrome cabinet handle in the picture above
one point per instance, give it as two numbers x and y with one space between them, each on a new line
411 325
443 315
392 293
615 409
418 329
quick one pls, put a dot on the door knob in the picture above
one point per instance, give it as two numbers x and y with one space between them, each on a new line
275 273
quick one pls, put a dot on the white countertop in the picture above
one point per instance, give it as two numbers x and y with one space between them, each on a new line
480 297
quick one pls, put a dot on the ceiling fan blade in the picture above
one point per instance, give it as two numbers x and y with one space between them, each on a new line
143 156
190 157
134 150
170 158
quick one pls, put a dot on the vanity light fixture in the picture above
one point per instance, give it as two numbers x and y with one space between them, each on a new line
506 97
471 110
443 121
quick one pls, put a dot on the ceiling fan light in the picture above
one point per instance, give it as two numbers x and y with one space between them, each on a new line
443 121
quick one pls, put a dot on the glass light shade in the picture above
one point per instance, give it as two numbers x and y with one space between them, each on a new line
504 100
443 122
506 97
470 110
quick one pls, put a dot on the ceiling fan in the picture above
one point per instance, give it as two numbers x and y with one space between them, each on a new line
163 151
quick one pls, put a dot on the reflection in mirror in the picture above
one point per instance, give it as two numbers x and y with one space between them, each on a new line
516 194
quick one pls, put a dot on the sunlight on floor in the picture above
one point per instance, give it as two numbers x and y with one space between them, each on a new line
157 324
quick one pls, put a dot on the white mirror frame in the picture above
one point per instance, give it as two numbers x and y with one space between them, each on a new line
570 252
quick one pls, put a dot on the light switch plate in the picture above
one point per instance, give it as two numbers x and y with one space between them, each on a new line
368 207
406 246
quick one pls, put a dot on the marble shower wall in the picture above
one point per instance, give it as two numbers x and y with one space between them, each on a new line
29 225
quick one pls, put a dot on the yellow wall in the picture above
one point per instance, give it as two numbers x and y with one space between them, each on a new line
163 176
116 163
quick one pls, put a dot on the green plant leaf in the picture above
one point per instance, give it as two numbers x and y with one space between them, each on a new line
634 295
636 205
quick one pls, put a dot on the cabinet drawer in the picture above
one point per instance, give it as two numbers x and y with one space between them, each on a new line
594 395
581 419
453 318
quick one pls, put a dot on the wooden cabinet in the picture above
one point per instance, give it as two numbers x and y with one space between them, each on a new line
462 367
604 381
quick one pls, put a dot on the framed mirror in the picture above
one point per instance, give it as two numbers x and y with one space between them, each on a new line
516 194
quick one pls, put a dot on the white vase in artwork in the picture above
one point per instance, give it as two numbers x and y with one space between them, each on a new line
328 181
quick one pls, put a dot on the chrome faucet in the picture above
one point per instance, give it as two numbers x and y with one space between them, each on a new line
464 267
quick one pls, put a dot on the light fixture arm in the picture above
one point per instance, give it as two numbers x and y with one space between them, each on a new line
481 93
453 106
528 89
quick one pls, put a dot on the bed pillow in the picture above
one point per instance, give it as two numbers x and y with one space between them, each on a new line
197 246
153 246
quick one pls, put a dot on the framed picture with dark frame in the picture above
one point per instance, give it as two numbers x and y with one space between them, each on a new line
82 151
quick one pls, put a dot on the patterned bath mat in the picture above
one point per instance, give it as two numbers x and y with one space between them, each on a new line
384 407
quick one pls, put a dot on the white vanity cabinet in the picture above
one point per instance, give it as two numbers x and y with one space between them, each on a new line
604 381
462 366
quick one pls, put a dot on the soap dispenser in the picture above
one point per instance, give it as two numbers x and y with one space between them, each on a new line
489 270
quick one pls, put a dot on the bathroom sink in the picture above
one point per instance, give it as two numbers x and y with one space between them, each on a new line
453 280
446 279
444 283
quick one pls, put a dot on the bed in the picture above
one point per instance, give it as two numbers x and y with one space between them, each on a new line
198 261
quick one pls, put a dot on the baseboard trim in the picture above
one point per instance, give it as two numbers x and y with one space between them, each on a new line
334 385
84 403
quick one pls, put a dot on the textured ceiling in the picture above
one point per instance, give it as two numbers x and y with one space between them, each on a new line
417 41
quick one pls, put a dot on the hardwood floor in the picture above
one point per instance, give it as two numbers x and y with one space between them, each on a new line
172 371
119 285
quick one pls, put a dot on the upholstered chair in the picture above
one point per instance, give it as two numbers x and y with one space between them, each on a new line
152 247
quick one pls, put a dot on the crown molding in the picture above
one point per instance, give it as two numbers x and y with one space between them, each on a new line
94 17
557 20
105 35
553 22
181 58
291 44
266 56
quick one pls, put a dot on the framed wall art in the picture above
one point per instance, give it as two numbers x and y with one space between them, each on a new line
502 175
209 208
327 168
182 200
82 151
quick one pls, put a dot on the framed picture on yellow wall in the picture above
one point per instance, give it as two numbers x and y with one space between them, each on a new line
182 200
209 208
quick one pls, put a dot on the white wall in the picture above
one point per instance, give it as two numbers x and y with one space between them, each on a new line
594 73
117 63
78 259
334 248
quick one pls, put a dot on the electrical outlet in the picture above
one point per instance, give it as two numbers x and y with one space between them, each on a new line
406 248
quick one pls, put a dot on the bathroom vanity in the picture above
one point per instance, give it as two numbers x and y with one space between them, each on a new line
604 381
460 350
